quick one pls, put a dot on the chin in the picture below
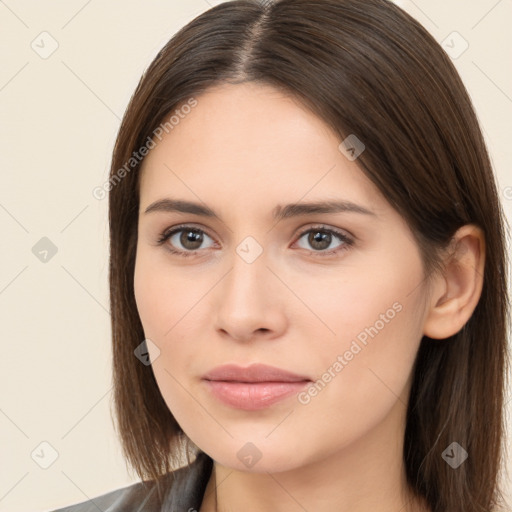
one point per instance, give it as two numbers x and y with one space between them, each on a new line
257 456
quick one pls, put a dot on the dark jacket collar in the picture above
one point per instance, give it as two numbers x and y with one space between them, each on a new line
186 490
181 490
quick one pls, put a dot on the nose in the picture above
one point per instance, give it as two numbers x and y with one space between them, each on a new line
250 301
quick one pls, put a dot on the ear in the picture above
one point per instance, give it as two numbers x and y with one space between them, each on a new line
456 290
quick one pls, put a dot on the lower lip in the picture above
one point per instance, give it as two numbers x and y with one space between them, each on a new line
252 396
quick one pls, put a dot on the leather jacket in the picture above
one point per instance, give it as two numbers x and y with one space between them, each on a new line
182 491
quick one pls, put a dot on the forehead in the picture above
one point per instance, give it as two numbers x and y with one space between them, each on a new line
251 142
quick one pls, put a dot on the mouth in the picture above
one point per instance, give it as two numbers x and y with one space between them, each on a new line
254 387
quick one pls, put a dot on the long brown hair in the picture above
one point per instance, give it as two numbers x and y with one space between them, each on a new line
367 68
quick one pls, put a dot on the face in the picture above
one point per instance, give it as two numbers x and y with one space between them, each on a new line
333 300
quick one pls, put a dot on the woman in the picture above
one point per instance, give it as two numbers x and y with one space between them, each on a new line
308 271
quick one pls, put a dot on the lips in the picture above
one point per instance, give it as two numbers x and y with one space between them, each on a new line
255 387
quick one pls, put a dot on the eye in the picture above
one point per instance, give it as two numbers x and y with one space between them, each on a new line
320 239
188 237
187 240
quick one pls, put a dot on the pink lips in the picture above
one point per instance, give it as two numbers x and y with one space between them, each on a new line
255 387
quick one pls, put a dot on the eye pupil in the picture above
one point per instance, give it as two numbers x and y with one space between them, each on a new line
319 237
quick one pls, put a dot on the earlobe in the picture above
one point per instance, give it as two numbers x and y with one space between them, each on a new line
456 291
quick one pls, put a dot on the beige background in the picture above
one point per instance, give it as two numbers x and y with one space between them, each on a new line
59 118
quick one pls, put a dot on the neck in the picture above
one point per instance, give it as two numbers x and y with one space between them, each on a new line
366 475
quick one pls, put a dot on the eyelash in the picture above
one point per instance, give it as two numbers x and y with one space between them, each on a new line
347 242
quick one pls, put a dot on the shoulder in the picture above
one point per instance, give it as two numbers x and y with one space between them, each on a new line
184 486
125 499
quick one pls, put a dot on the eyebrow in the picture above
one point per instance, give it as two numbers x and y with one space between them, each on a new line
280 212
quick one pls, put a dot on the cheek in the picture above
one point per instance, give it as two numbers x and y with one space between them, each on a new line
376 313
164 296
171 303
163 300
379 298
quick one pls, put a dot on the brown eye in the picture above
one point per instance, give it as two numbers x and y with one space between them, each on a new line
320 239
184 240
190 240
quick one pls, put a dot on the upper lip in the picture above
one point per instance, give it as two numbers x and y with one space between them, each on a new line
252 373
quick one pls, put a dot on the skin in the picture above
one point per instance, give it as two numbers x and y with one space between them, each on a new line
243 150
